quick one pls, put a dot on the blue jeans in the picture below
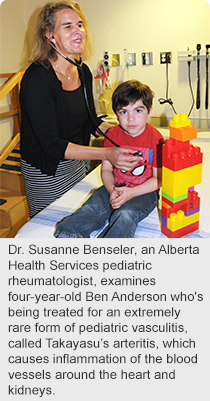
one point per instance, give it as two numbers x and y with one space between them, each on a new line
95 212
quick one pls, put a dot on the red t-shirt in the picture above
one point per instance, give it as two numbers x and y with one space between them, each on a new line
149 143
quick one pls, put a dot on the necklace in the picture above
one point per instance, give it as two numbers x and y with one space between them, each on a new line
58 72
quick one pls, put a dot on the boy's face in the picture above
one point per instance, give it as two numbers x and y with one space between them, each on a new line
133 118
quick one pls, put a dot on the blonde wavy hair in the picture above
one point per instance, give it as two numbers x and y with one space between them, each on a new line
41 48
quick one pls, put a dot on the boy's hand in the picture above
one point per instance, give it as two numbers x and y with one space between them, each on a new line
119 196
113 195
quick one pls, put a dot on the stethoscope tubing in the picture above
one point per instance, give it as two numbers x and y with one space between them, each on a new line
78 64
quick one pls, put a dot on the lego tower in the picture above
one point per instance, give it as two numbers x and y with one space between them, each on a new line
182 170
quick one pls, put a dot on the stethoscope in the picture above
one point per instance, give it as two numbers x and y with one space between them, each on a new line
78 64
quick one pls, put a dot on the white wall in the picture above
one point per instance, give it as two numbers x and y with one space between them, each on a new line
12 35
138 25
155 26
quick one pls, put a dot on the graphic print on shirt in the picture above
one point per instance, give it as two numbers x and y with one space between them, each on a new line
140 173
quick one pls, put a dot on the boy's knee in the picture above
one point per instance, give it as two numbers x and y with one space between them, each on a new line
123 214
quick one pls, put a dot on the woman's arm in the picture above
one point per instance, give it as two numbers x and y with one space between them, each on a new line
118 157
104 127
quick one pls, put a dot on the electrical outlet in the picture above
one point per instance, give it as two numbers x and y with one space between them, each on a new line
115 60
147 58
165 57
131 58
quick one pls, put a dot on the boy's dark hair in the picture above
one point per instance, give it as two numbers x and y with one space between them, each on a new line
130 92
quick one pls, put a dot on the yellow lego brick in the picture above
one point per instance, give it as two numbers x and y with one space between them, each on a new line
176 183
178 220
183 134
174 200
180 120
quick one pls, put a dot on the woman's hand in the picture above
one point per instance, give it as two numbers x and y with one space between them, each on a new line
118 157
122 158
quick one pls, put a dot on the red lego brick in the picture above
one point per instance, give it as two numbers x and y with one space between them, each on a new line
172 145
181 232
178 204
193 211
168 209
178 155
193 202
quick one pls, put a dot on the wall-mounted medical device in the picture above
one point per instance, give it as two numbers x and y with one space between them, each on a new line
191 55
198 55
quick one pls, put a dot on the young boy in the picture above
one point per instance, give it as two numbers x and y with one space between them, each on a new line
126 198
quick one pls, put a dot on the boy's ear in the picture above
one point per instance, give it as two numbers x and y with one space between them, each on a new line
149 114
116 113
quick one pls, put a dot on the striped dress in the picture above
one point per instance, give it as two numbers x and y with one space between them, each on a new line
42 189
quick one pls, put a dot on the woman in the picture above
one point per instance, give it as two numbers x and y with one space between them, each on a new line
55 124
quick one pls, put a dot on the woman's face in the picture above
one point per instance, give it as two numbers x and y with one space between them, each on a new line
69 33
